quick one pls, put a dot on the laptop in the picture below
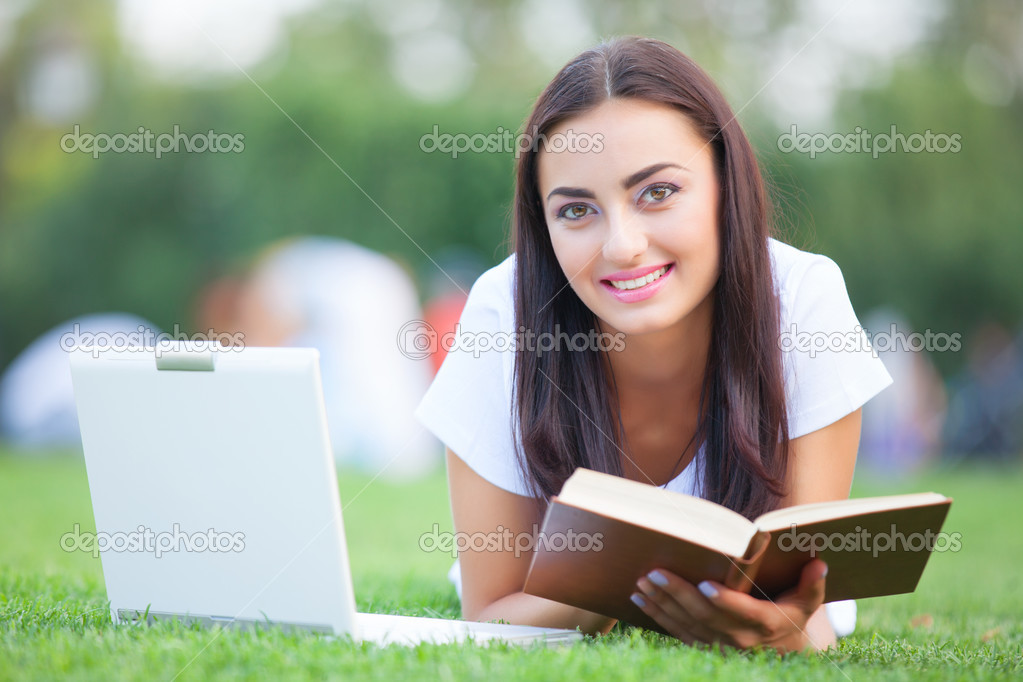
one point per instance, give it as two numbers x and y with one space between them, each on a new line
215 496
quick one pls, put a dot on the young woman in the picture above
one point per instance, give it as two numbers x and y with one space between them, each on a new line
642 223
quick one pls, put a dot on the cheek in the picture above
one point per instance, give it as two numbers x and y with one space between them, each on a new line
688 236
694 228
709 255
573 254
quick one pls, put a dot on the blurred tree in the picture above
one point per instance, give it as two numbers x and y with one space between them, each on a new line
333 121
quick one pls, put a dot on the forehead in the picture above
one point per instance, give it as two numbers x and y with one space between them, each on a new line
632 134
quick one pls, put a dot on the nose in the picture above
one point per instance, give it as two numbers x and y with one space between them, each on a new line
626 239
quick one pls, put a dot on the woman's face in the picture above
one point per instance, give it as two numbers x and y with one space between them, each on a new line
645 207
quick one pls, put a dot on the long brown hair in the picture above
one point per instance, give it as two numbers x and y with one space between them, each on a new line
564 404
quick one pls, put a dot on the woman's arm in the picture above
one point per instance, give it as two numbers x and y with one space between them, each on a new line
821 463
492 579
820 469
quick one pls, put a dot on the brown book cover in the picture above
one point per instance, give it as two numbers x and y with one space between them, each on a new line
870 554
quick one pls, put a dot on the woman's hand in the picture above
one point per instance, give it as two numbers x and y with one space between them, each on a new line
713 613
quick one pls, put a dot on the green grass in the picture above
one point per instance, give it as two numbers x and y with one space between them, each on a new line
963 621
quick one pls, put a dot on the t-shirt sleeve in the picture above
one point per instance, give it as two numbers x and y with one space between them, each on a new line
831 369
468 405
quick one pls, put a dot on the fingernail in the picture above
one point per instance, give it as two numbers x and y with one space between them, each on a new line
638 600
657 578
707 590
824 573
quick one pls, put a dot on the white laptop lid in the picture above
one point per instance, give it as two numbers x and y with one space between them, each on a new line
214 491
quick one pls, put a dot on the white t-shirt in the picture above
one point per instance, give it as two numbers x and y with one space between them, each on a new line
830 369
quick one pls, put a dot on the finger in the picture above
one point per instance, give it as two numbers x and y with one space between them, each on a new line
692 632
736 606
666 601
683 595
693 610
809 593
661 617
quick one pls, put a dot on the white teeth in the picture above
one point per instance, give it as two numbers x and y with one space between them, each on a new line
638 282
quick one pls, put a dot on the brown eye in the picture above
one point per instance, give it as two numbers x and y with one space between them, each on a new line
658 193
575 211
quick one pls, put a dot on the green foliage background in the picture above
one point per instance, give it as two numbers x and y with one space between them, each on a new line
332 147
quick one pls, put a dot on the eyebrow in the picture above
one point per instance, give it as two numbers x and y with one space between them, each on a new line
637 177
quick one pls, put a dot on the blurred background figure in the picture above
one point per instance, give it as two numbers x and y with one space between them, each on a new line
986 411
144 146
350 303
37 400
901 425
447 289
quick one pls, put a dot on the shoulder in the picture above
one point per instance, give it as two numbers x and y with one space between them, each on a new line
468 405
811 290
496 285
830 367
490 303
794 268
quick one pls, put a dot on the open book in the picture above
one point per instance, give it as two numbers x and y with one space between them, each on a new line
602 532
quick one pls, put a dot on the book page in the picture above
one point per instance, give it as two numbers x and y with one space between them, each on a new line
684 516
782 519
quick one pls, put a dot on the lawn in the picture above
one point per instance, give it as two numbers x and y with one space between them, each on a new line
965 620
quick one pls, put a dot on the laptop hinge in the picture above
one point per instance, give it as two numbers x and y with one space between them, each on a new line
195 358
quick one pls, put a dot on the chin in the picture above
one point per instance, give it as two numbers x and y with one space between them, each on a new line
636 327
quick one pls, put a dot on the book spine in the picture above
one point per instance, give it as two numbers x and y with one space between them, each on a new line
743 572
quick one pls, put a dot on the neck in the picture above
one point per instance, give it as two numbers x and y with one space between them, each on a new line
672 359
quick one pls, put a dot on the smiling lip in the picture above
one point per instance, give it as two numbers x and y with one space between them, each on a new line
639 293
624 275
